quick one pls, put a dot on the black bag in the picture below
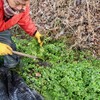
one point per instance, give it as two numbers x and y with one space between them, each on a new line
18 90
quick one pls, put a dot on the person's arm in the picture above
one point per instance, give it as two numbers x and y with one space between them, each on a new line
27 24
5 25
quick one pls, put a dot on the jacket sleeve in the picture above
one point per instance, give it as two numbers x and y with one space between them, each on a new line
8 24
27 24
5 25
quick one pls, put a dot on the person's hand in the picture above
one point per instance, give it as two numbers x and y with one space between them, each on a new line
5 49
39 38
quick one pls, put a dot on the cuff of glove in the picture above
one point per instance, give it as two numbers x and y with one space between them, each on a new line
35 33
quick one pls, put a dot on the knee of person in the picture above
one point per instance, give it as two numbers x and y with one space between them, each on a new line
12 66
11 61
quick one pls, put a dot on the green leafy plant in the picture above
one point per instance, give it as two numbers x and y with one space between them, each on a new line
73 75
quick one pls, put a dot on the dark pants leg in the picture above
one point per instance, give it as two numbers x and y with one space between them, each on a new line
3 87
10 61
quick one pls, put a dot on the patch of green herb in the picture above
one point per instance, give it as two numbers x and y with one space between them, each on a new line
73 75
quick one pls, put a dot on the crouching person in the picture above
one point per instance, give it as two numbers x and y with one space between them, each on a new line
14 12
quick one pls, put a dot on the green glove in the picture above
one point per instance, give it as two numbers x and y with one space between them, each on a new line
5 49
39 38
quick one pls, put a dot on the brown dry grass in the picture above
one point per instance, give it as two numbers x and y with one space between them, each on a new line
63 17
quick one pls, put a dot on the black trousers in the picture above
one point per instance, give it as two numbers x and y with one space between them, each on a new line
9 61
